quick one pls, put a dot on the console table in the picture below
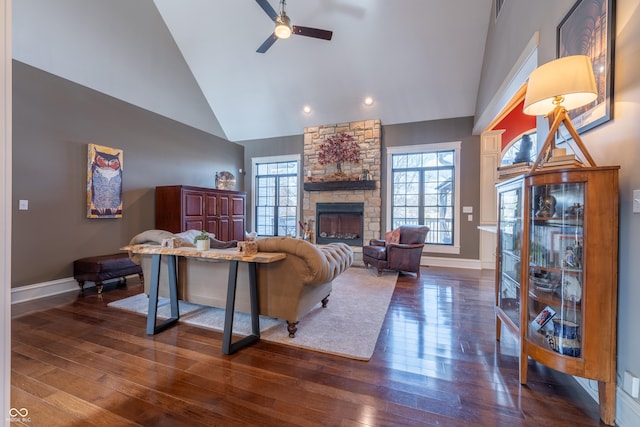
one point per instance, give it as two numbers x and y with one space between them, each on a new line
215 254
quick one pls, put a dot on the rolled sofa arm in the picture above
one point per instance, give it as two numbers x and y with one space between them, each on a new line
323 263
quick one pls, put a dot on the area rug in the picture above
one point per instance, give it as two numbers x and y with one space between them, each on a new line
348 327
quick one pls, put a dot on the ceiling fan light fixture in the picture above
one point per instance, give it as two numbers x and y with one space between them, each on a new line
283 27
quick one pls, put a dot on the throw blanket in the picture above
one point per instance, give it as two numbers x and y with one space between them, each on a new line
155 237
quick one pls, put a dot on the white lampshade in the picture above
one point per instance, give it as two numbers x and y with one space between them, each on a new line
568 81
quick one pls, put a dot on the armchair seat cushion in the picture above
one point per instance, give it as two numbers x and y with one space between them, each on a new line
375 252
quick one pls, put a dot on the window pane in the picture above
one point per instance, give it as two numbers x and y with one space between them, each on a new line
399 161
422 188
276 198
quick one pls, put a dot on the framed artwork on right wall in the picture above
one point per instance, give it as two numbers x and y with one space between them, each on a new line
588 29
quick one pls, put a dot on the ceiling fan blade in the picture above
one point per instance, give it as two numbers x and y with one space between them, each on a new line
267 43
312 32
264 4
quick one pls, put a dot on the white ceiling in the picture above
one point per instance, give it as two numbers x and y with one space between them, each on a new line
418 59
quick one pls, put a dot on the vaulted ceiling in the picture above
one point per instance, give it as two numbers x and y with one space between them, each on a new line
195 61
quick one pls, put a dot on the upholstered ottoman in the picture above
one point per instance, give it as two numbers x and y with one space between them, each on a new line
104 267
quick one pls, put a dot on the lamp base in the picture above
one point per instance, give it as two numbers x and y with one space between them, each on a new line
551 156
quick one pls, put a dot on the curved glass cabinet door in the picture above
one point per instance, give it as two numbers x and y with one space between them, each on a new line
554 283
509 248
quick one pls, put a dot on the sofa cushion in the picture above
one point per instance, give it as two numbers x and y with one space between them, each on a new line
375 252
320 263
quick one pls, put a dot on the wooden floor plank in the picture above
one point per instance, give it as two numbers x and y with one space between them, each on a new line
77 362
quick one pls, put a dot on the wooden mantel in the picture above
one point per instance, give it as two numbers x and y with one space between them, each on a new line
340 185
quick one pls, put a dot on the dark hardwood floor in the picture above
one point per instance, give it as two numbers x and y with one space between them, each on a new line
77 362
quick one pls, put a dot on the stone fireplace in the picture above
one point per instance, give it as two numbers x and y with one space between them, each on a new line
320 189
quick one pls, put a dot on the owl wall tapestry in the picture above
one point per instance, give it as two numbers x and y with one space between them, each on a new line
104 182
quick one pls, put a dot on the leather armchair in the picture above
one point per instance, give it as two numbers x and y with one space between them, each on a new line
402 256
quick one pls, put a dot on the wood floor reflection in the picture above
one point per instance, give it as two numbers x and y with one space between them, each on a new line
77 362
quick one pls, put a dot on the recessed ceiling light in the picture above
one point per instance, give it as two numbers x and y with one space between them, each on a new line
368 100
306 109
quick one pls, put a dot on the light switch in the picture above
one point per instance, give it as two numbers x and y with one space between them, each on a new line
467 209
636 201
23 205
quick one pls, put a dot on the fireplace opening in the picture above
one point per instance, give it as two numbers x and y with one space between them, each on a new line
339 222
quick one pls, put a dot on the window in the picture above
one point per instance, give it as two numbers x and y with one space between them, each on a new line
275 190
522 149
424 189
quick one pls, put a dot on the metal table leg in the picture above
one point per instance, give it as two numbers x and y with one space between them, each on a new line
154 285
227 346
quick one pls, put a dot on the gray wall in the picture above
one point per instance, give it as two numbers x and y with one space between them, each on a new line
612 143
430 132
53 121
281 146
433 132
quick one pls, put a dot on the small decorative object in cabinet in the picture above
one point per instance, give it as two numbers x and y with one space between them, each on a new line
570 280
510 220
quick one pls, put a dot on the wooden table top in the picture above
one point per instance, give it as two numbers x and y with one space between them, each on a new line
219 254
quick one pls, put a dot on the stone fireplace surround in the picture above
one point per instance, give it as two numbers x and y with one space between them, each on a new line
367 133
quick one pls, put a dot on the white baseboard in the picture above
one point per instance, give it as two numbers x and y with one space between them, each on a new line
488 265
50 288
627 408
473 264
45 289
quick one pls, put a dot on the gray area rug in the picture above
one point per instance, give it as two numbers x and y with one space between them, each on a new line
348 327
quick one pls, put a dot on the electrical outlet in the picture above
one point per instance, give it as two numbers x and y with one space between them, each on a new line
631 384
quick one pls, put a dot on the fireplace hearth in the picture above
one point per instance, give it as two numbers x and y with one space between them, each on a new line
339 222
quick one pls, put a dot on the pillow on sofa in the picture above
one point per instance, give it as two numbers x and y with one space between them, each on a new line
392 236
189 235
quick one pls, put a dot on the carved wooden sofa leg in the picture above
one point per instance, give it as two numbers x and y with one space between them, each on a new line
292 328
325 301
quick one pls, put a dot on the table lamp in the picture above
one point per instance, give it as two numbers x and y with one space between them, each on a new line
555 88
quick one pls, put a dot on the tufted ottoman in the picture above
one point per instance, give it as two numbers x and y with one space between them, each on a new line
104 267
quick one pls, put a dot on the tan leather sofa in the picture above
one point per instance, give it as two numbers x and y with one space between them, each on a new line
287 289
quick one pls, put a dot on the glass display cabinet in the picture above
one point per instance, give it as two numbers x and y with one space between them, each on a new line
569 286
509 242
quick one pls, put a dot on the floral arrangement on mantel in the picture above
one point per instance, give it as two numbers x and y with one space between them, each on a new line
338 149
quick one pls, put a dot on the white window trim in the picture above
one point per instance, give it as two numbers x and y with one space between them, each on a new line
272 159
455 145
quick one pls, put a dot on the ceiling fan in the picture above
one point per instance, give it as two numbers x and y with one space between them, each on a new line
284 29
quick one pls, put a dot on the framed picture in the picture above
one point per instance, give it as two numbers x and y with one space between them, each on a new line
104 182
588 30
